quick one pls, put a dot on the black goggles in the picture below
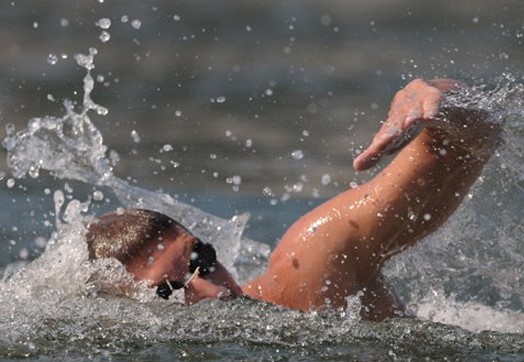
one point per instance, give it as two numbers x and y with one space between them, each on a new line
203 260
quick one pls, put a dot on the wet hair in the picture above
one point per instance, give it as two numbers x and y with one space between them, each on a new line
122 234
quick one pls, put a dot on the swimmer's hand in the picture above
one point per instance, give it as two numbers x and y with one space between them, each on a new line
412 108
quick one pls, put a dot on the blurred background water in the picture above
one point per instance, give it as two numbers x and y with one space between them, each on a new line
280 93
237 106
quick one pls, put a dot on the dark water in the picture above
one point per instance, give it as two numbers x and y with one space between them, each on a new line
237 106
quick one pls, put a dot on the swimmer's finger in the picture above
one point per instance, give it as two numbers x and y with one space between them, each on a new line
431 106
406 137
365 160
371 155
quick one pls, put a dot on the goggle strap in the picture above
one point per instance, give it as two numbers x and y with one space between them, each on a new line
192 277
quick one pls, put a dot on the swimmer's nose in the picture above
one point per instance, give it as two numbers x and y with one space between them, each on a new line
218 284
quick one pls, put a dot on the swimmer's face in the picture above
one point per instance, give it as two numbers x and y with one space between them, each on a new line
184 262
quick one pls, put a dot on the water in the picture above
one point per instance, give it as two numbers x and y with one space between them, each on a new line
234 108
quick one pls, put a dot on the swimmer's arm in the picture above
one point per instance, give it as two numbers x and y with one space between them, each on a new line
338 248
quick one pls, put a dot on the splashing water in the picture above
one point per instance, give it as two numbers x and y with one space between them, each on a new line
469 272
47 305
71 147
51 289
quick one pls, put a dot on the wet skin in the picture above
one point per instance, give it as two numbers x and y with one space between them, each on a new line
172 262
157 252
338 249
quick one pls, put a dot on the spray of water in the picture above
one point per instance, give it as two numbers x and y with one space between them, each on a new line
52 295
71 147
46 304
474 262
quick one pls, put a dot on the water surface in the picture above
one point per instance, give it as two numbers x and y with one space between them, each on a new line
238 107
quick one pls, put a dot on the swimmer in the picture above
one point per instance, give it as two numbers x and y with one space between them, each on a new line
338 249
157 249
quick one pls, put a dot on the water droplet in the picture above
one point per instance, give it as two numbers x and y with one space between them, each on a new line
10 182
35 25
124 19
50 98
68 188
101 110
298 187
266 191
221 99
23 254
167 148
40 242
176 17
135 136
297 154
64 22
136 24
34 171
326 179
235 180
98 195
427 217
248 28
178 113
103 23
85 61
52 59
249 143
114 157
269 92
104 36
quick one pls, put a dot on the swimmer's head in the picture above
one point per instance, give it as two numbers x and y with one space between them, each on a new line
158 249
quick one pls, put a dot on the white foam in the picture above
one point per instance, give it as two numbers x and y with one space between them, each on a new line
474 317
